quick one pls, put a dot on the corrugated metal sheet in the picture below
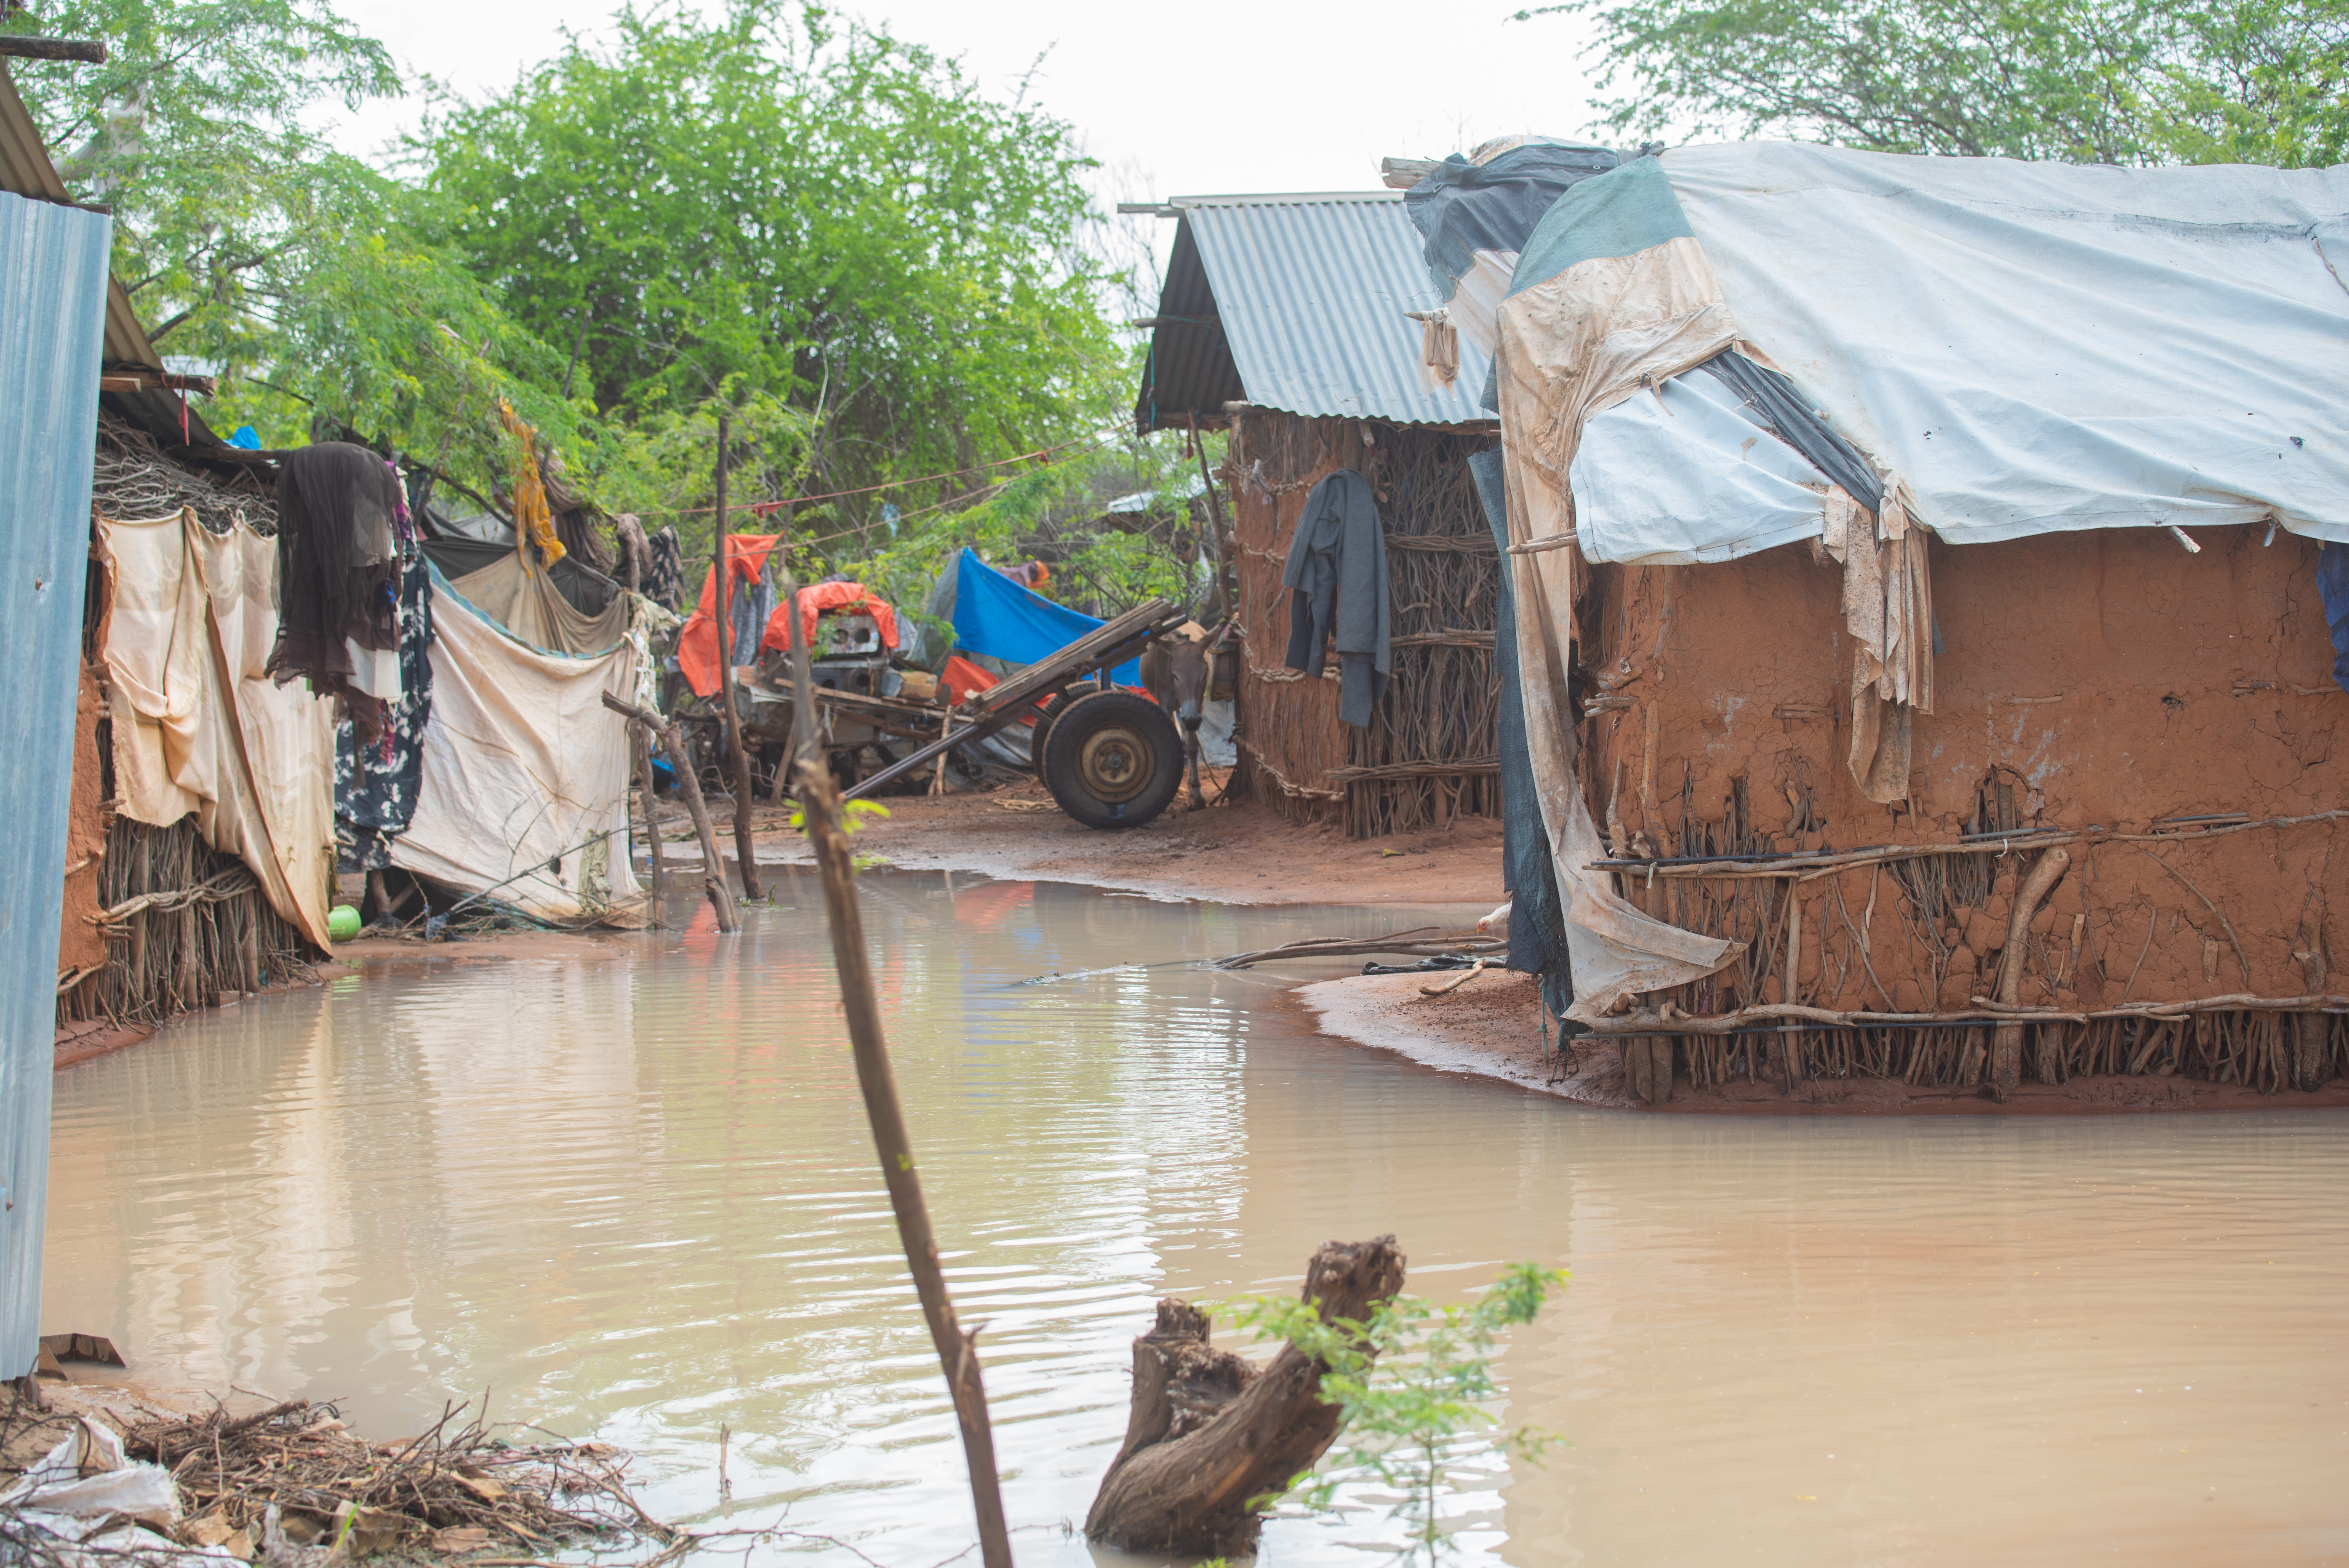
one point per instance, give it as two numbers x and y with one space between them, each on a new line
1296 303
53 294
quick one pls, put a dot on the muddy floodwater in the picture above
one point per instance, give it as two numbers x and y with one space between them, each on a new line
635 1199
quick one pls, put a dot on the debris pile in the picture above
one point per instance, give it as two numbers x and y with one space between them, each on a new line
291 1487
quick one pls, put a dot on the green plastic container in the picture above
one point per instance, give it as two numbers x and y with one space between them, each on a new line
342 923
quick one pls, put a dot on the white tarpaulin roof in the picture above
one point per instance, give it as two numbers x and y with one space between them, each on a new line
2032 348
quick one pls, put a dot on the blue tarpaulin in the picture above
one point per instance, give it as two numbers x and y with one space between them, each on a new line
995 616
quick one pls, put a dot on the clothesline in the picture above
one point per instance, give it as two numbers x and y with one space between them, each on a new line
790 544
767 508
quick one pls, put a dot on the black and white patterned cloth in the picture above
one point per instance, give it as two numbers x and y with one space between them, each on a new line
376 780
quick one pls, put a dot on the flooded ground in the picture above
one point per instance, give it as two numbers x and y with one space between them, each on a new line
635 1198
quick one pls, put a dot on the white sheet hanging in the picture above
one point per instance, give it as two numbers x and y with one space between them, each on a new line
525 792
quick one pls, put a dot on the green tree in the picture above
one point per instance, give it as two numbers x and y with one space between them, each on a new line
250 246
837 220
2113 81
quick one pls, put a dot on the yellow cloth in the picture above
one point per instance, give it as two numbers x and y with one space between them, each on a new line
530 491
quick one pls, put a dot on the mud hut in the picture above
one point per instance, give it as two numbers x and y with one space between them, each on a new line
1278 323
1933 580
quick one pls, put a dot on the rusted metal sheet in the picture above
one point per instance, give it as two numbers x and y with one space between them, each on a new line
52 314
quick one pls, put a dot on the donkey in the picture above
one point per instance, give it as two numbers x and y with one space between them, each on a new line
1178 672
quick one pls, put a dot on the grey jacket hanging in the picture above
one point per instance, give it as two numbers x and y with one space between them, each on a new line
1336 574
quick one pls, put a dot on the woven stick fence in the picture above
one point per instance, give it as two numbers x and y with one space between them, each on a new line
1429 754
183 923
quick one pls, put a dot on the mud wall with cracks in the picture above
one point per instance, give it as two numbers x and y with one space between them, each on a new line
2101 680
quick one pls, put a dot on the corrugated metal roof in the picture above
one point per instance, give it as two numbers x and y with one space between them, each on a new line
1296 303
27 170
52 289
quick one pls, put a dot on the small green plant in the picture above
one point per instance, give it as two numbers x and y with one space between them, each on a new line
853 815
1411 1383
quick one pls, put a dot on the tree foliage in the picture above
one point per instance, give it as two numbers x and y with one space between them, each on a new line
834 220
251 247
2110 82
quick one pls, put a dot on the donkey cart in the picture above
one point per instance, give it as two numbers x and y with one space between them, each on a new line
1112 758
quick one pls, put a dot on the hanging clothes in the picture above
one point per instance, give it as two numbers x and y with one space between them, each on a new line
697 645
376 781
340 532
532 517
665 577
1337 578
751 606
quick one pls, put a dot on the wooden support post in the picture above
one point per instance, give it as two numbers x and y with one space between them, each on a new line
713 864
652 811
958 1350
938 778
744 848
2310 1066
2006 1045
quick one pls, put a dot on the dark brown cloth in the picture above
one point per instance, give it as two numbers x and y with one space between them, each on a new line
339 549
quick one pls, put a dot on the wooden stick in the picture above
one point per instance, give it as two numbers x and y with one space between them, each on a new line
86 51
1670 1020
938 778
2006 1045
1807 866
713 864
652 815
744 848
1457 981
2224 923
957 1352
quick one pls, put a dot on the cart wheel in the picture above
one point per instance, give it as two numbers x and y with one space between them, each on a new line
1113 759
1054 705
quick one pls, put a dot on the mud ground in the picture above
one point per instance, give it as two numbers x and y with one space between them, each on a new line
1230 851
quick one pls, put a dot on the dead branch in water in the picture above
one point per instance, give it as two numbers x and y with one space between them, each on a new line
1208 1433
1409 943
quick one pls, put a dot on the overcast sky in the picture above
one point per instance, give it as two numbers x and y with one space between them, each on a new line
1274 95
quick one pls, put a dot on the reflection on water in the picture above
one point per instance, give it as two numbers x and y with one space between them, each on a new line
635 1198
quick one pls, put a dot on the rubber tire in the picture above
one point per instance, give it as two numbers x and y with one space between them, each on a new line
1054 705
1145 722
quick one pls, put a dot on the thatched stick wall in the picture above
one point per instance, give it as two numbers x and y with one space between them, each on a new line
1430 754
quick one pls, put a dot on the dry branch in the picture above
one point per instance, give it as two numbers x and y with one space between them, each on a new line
713 864
1411 943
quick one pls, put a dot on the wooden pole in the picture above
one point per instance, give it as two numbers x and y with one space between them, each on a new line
744 848
2006 1045
819 799
87 52
652 815
713 865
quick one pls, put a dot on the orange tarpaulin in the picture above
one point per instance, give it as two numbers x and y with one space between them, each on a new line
961 677
697 645
818 597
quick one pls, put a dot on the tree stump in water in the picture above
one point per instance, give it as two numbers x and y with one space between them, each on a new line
1208 1431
